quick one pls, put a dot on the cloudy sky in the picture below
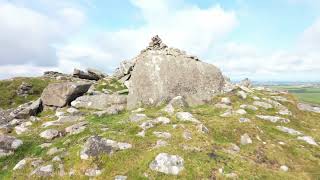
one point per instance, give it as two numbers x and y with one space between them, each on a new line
276 40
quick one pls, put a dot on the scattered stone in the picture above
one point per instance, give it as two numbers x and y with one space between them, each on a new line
168 109
21 129
222 106
45 145
226 100
73 111
93 172
241 111
139 110
61 94
85 75
49 134
281 143
26 110
162 120
43 171
273 119
146 125
100 101
120 177
231 175
308 139
284 168
249 107
308 107
137 117
202 128
20 165
245 139
142 133
24 89
178 102
227 113
56 159
76 128
186 116
8 144
285 111
244 120
256 98
233 149
289 130
242 94
262 104
280 98
97 145
161 143
168 164
54 150
164 135
187 135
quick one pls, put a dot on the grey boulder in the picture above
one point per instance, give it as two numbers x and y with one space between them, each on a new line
99 102
168 164
61 94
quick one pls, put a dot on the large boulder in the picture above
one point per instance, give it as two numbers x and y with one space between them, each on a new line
26 110
61 94
100 101
161 73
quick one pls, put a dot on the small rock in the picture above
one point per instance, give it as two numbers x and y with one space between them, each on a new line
262 104
141 134
202 128
241 111
43 171
45 145
119 177
54 150
233 149
56 159
226 100
73 111
284 168
21 164
168 109
249 107
76 128
308 139
186 116
93 172
273 119
162 120
244 120
228 113
165 135
289 130
161 143
139 110
187 135
137 117
168 164
245 139
222 106
242 94
49 134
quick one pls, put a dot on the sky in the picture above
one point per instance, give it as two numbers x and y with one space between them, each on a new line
274 40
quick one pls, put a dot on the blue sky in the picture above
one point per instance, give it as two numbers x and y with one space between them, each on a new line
275 40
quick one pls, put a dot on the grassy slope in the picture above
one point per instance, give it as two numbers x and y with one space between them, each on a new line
255 161
305 94
8 96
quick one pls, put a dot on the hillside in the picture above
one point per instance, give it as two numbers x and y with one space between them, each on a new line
162 115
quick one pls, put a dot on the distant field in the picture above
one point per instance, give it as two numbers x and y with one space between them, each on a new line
305 94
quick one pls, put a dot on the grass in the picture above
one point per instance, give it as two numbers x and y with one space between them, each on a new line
112 85
8 96
305 94
203 157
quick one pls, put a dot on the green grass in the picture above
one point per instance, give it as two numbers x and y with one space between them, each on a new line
255 161
304 94
112 85
8 96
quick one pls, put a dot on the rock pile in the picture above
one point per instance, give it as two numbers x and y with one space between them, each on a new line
24 89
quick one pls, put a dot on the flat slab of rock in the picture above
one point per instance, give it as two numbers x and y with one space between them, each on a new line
308 107
97 145
262 104
186 116
43 171
100 101
49 134
308 139
273 119
289 130
168 164
76 128
61 94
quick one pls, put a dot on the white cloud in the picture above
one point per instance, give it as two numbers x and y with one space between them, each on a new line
27 36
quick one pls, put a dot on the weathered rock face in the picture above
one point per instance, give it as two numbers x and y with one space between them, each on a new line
61 94
162 73
91 74
100 102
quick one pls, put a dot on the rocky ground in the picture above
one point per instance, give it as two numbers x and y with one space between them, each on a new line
79 127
